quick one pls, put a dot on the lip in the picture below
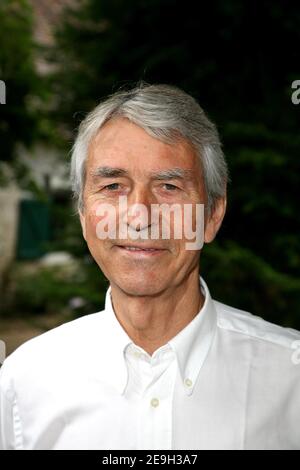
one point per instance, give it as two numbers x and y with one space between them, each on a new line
139 252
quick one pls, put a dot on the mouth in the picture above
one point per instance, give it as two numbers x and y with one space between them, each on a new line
135 250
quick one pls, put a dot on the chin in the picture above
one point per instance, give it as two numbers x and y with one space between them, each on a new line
142 286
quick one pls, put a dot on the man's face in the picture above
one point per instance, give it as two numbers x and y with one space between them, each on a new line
135 167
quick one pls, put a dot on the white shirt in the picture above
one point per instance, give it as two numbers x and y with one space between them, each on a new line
228 380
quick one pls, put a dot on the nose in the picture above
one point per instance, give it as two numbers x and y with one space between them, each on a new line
139 208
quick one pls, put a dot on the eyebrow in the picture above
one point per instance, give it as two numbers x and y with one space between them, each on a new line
173 173
170 173
108 172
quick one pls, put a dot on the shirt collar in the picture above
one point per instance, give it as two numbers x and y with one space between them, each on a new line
117 341
191 345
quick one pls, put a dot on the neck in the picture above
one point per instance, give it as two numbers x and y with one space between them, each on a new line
151 321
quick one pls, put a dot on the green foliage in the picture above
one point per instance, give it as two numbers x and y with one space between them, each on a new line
239 277
25 118
18 118
238 62
39 289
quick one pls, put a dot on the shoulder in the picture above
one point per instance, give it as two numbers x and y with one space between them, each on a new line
245 324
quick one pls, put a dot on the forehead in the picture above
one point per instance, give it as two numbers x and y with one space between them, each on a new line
123 144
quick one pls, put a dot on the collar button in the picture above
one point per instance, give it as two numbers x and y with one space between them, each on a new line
188 383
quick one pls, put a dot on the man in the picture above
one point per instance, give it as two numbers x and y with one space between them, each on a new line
163 366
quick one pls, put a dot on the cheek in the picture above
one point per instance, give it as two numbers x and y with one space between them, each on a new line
101 222
93 218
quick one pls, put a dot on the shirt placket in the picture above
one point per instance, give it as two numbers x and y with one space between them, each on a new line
155 404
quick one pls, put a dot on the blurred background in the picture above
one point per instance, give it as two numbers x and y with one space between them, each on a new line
59 58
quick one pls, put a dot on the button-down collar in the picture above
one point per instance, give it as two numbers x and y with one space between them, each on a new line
191 344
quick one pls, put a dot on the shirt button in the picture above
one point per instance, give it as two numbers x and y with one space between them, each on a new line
188 382
154 402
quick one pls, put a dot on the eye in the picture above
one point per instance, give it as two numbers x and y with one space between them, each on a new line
170 187
112 186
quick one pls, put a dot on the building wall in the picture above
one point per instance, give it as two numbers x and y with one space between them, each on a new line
9 210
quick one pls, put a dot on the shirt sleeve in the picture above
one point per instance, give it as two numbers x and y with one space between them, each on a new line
10 426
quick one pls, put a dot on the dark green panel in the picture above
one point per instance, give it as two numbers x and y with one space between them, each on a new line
33 229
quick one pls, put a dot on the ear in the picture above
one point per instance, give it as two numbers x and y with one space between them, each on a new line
215 219
82 222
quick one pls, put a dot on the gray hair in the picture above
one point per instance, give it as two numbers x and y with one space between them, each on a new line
166 113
